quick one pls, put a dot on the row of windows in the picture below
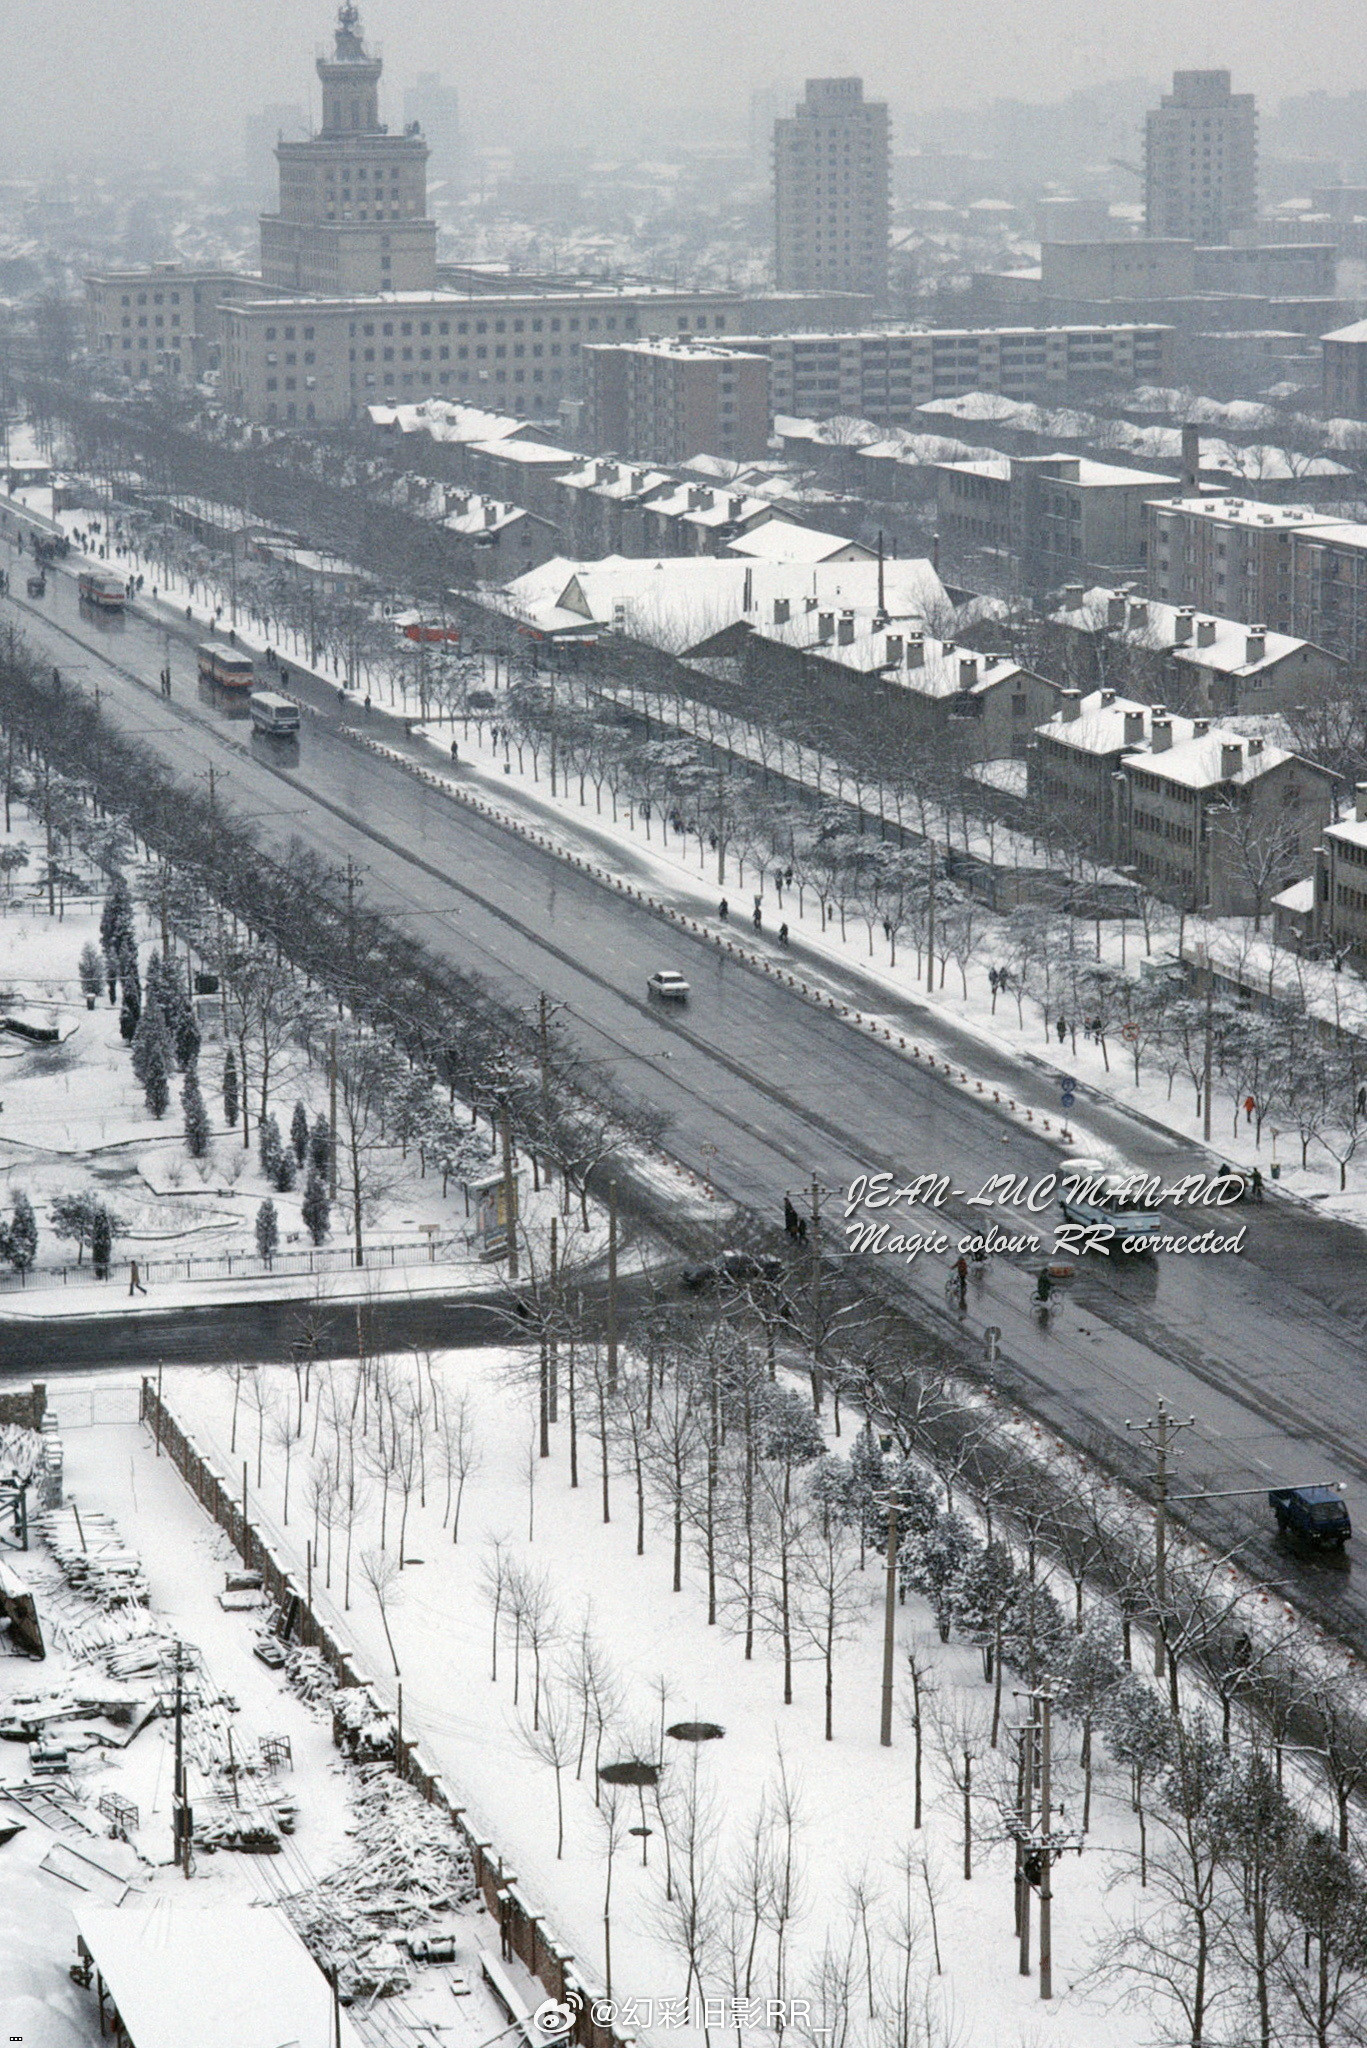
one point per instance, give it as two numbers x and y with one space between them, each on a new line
156 299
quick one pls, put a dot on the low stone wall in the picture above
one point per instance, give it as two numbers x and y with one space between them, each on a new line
27 1410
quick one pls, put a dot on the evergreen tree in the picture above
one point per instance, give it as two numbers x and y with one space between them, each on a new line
150 1037
196 1115
320 1145
129 1012
286 1172
154 986
19 1237
91 971
117 920
267 1231
155 1086
101 1242
316 1208
269 1147
183 1026
868 1479
299 1132
231 1103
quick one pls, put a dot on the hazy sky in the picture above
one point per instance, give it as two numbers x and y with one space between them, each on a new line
115 76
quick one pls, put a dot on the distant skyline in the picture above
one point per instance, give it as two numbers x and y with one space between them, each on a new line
114 78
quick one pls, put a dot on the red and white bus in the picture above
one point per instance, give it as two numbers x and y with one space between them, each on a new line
101 591
226 668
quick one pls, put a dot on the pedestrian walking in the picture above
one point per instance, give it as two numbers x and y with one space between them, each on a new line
135 1285
757 917
1062 1028
783 935
723 910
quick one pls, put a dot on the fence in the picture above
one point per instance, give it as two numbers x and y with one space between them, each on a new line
522 1930
247 1265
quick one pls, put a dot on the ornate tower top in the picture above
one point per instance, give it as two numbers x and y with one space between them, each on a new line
350 79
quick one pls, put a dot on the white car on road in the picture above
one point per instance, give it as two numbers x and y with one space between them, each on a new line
668 985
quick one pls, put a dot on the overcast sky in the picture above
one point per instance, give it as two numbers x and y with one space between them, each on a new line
114 76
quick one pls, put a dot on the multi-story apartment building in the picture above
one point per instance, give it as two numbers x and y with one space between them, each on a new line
1210 819
884 375
1173 653
1201 159
665 399
831 191
353 198
1344 369
1301 570
1056 517
1339 914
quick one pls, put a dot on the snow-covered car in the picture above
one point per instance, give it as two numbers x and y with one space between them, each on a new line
667 986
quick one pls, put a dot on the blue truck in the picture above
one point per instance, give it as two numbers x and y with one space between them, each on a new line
1315 1512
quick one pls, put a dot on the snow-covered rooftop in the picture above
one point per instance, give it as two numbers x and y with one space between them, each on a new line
1231 648
1100 724
1200 763
779 540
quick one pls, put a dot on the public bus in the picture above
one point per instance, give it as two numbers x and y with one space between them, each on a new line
100 591
225 667
276 716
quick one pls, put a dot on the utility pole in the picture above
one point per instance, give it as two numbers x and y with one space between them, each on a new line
889 1630
552 1360
816 1295
1158 1432
332 1115
1046 1901
1026 1819
612 1287
1206 1063
509 1193
181 1819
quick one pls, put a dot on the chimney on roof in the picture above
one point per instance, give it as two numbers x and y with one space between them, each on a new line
1107 699
736 507
893 656
1231 759
1070 705
1360 801
968 671
1139 614
1134 728
1199 728
747 601
491 512
1205 632
1255 647
698 498
916 650
1191 462
1115 611
1183 626
825 627
781 611
1255 748
1073 594
845 631
1160 732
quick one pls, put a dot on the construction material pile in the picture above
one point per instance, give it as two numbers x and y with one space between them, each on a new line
410 1867
361 1729
308 1673
93 1558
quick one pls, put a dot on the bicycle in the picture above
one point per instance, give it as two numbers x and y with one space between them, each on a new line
956 1291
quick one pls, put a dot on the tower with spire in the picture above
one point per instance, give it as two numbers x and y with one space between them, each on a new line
353 197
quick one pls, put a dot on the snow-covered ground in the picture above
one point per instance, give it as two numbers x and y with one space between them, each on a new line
854 1832
111 1468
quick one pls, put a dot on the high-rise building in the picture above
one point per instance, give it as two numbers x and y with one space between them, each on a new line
1201 159
436 109
831 191
353 198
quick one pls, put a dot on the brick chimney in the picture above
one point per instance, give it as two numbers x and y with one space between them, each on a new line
1107 699
1160 731
1115 611
1199 728
1360 801
1255 646
1231 759
968 671
1191 462
1183 626
916 651
781 610
1139 614
1073 594
825 627
1069 705
893 655
845 630
1134 728
1205 632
